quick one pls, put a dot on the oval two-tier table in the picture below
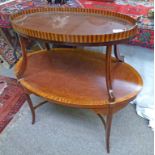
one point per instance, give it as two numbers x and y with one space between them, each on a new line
77 77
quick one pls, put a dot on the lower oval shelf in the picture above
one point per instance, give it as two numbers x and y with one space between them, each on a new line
76 77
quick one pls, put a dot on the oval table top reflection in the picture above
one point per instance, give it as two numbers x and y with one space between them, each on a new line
74 25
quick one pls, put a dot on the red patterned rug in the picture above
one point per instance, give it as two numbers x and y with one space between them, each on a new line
130 7
8 7
134 8
11 99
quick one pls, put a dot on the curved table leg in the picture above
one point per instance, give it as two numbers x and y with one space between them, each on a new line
108 130
110 93
31 108
107 124
24 57
102 119
108 73
117 54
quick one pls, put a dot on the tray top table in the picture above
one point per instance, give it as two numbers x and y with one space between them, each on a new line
77 77
74 25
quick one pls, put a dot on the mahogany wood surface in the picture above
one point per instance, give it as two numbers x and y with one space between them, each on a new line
74 25
76 77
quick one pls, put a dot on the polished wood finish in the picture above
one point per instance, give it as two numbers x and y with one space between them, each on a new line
77 77
24 55
74 25
108 73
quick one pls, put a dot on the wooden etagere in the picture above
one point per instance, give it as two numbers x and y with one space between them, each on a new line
75 76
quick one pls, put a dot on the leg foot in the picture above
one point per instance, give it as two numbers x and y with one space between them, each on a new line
108 129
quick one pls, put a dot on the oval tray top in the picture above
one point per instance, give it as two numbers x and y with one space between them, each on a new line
74 25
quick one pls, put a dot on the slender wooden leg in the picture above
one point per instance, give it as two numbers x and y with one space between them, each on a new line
108 73
117 54
47 46
108 129
24 57
31 108
40 104
107 124
102 119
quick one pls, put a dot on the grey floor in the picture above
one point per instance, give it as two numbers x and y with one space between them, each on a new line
62 130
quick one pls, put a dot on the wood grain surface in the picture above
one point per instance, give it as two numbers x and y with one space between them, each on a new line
76 77
74 25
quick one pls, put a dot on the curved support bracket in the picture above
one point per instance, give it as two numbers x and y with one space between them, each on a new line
117 54
40 104
22 41
31 107
103 120
108 73
47 46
